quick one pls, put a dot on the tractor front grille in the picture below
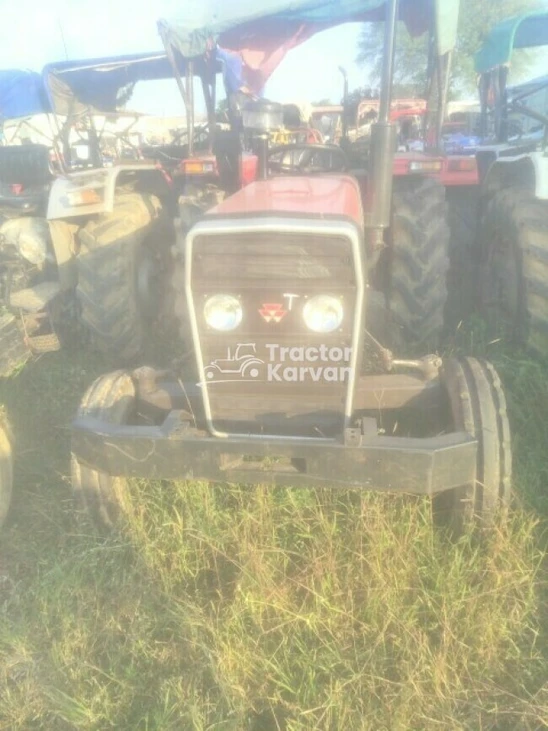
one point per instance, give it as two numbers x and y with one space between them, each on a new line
272 375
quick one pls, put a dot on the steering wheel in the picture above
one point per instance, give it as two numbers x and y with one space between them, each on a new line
305 159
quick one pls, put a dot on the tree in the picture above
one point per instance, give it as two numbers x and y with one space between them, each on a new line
475 21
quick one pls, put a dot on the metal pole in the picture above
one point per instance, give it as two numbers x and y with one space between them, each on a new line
190 110
178 79
442 94
388 60
262 154
428 91
345 103
383 140
210 106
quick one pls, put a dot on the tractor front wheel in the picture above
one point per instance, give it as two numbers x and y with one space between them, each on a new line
513 291
477 406
110 398
415 263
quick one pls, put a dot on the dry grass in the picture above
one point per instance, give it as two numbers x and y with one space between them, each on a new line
249 608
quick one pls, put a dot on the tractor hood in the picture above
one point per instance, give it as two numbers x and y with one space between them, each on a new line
317 197
521 31
264 32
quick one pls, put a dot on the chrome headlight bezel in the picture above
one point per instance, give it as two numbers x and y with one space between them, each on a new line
323 313
219 306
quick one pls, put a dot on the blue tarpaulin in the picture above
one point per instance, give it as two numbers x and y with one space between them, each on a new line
96 83
74 86
22 94
263 32
521 31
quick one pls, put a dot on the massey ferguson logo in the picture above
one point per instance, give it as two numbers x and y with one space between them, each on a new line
280 364
272 313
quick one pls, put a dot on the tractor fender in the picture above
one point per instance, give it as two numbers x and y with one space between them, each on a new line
88 192
63 239
527 171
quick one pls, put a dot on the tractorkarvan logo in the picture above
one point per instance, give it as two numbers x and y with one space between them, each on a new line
315 364
244 363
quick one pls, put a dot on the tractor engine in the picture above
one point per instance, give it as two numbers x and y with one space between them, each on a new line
275 287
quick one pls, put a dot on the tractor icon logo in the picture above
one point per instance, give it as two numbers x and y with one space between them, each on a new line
243 363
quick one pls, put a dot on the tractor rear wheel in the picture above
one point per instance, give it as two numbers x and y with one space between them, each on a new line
513 292
416 263
6 468
118 274
478 406
110 398
463 218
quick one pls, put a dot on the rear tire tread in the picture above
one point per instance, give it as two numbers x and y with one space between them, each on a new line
516 213
417 290
107 261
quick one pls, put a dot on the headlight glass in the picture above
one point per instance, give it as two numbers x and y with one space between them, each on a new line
323 313
223 312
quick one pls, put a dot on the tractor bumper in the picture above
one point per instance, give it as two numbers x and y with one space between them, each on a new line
176 450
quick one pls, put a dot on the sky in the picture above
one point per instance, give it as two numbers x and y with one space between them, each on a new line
35 32
87 28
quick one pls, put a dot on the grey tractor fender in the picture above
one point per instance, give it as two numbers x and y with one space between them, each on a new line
81 194
528 170
88 192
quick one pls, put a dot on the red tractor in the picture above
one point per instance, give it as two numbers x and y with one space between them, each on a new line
285 271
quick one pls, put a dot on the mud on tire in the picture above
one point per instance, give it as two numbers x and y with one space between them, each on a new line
513 291
416 262
112 253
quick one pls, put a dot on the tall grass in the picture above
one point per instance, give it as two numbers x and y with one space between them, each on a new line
246 608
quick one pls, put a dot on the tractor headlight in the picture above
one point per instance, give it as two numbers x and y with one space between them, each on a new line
323 313
223 312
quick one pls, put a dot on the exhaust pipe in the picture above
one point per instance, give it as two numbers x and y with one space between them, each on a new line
383 136
344 103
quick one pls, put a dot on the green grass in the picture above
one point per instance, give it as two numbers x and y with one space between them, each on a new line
240 608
